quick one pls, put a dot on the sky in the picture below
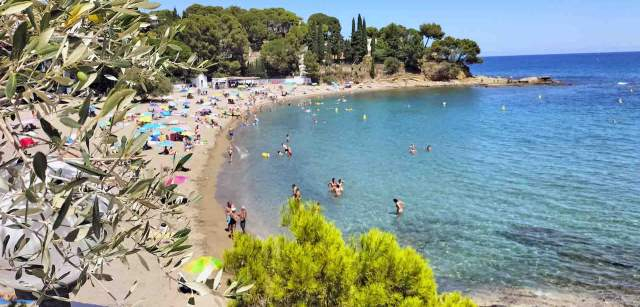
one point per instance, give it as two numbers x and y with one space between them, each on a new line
501 27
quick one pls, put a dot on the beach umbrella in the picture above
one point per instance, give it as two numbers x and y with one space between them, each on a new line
151 126
155 132
198 265
165 144
177 129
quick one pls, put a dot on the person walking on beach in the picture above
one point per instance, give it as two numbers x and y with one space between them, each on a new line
228 210
230 152
243 218
399 206
233 218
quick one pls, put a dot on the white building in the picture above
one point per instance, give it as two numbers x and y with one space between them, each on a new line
200 81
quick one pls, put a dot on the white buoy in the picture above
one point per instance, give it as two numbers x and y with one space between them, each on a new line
504 108
540 96
620 100
444 104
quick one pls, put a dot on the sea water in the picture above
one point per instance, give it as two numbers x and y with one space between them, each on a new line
534 187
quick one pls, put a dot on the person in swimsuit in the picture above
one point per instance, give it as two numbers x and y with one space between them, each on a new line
428 148
412 149
227 214
233 217
332 185
230 152
243 218
399 206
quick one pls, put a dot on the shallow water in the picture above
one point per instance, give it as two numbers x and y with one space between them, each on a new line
545 194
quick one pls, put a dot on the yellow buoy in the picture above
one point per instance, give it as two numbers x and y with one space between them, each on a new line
364 117
266 155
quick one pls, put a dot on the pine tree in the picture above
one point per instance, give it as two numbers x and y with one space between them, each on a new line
175 13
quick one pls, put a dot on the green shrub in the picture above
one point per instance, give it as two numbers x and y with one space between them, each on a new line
391 66
317 268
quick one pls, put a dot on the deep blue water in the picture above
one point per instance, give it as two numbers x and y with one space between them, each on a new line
544 195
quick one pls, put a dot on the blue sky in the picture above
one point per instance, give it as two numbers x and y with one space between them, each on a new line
501 27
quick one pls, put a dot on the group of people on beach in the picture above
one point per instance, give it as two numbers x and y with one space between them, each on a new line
234 217
413 149
336 187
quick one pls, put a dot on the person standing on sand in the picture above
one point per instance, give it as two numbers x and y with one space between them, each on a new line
233 218
227 213
243 218
230 152
399 206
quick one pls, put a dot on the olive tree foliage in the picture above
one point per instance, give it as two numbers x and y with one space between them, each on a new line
68 210
316 267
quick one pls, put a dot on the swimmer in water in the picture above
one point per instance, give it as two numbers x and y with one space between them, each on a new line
428 148
412 149
399 206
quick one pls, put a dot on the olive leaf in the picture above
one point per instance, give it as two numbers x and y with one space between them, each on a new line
63 211
16 7
182 161
20 38
116 98
40 165
10 88
88 169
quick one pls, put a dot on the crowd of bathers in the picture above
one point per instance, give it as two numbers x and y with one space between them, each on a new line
413 149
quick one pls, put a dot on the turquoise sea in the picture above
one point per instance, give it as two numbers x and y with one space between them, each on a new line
544 195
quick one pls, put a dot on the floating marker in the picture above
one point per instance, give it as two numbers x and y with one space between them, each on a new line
504 108
444 104
364 117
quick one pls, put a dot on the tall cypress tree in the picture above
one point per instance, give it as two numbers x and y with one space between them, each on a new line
351 52
363 38
356 41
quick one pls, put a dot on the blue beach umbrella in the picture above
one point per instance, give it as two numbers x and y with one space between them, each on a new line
151 126
177 129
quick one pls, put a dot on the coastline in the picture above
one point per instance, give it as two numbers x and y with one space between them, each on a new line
208 218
